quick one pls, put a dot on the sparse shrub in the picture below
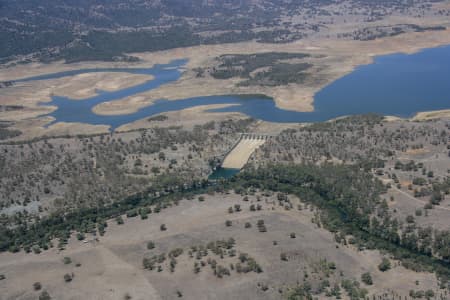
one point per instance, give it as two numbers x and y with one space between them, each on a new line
143 213
196 268
44 296
175 252
67 260
150 245
37 286
410 219
127 297
68 277
163 227
220 271
148 264
261 226
80 236
36 249
228 223
173 263
384 265
119 220
131 213
367 278
429 294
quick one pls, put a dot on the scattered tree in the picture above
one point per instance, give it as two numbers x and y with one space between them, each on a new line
44 296
37 286
150 245
367 278
384 265
68 277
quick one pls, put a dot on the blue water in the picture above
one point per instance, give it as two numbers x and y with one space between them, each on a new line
223 173
397 84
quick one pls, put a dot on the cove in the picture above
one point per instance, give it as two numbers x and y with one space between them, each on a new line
397 84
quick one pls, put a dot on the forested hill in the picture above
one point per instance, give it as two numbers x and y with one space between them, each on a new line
106 29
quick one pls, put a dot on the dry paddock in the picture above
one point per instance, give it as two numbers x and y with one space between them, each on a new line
112 268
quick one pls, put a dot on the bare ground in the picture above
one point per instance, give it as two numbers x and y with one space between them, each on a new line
112 267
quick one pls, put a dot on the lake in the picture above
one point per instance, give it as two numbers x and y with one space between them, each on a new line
397 84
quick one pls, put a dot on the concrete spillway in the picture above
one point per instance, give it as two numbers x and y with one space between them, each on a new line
240 154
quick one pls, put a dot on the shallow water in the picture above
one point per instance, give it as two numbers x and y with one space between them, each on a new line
396 84
223 173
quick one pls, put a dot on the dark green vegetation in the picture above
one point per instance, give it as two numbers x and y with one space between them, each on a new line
373 145
44 296
372 33
345 174
158 118
108 167
5 84
10 107
346 286
347 196
365 140
210 254
367 278
384 265
5 132
107 30
268 69
100 45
